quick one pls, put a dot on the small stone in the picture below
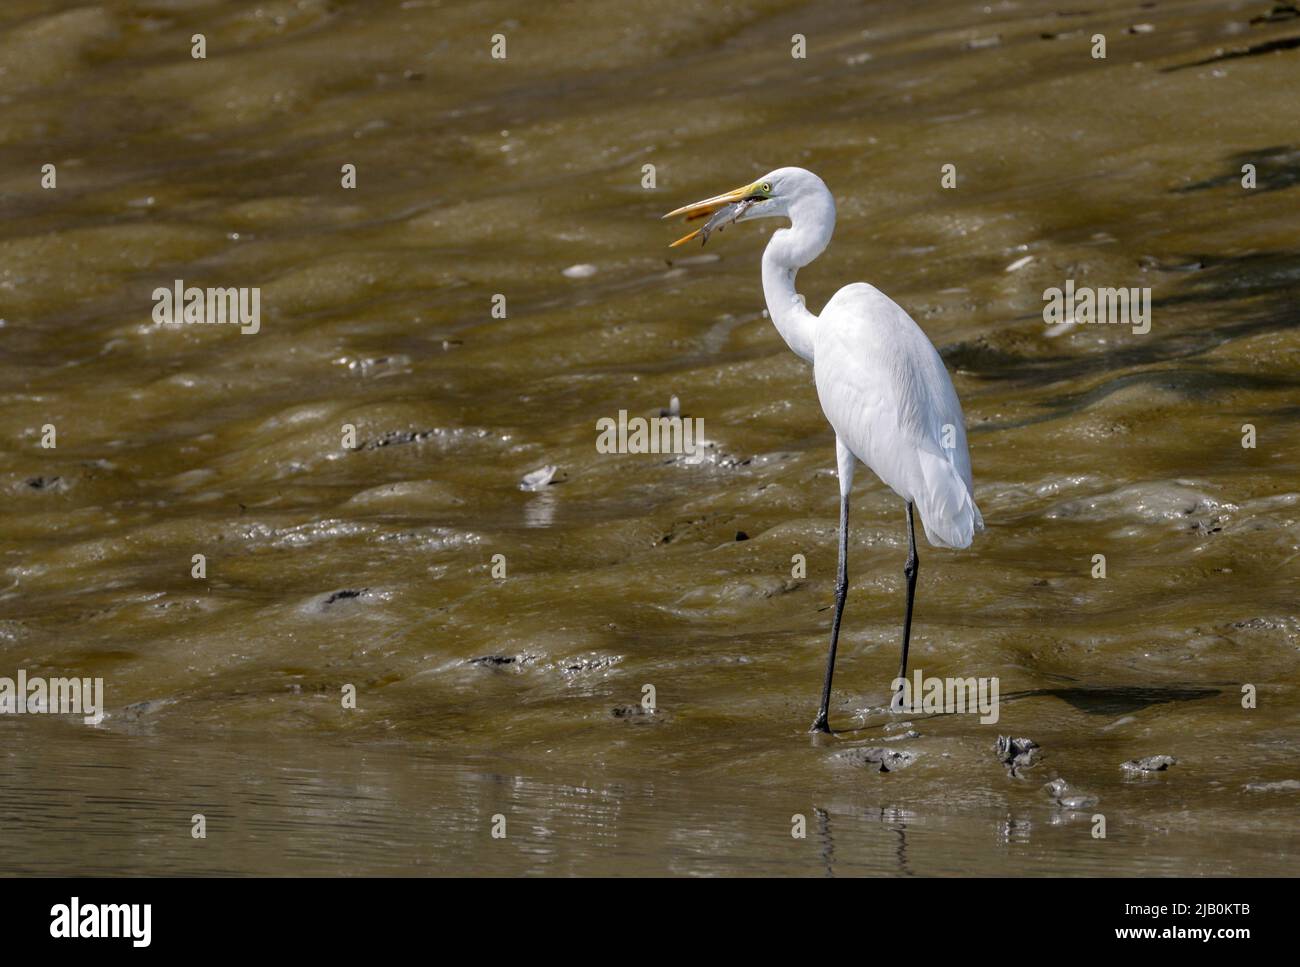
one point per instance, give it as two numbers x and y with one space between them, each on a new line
1152 763
1017 754
1057 788
1068 797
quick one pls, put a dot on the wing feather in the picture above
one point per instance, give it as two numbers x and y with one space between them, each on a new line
887 394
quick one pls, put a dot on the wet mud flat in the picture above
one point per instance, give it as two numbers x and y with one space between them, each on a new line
498 638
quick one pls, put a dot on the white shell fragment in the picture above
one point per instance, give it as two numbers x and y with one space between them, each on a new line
539 478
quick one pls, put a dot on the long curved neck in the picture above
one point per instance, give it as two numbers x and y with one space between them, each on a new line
812 220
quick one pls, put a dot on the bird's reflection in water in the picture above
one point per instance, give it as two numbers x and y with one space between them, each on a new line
896 819
828 844
893 818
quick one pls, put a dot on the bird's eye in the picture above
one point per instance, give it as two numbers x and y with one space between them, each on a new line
767 187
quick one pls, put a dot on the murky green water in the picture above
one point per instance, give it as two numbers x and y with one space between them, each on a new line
480 696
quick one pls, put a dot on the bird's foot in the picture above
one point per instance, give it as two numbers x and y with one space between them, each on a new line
821 725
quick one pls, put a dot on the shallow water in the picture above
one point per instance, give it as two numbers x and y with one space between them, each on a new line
519 696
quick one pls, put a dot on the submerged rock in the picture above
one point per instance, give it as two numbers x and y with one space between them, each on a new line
1152 763
1068 797
635 714
1056 788
51 484
397 438
334 600
1280 12
877 759
139 710
909 734
1185 501
499 661
1286 785
588 663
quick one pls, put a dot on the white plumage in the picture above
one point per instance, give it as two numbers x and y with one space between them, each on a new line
886 393
881 382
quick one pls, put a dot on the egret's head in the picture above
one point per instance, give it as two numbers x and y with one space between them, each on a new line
777 194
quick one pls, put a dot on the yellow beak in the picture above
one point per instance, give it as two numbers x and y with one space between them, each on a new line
707 207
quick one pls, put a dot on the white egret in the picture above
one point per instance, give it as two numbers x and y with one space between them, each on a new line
882 384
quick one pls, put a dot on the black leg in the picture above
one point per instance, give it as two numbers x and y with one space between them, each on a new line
909 571
841 592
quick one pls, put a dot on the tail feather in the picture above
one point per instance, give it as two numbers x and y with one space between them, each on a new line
948 512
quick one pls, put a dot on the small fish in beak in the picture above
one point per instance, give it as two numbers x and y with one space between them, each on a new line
724 217
723 209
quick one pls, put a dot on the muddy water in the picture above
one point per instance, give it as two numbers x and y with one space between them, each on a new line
520 696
